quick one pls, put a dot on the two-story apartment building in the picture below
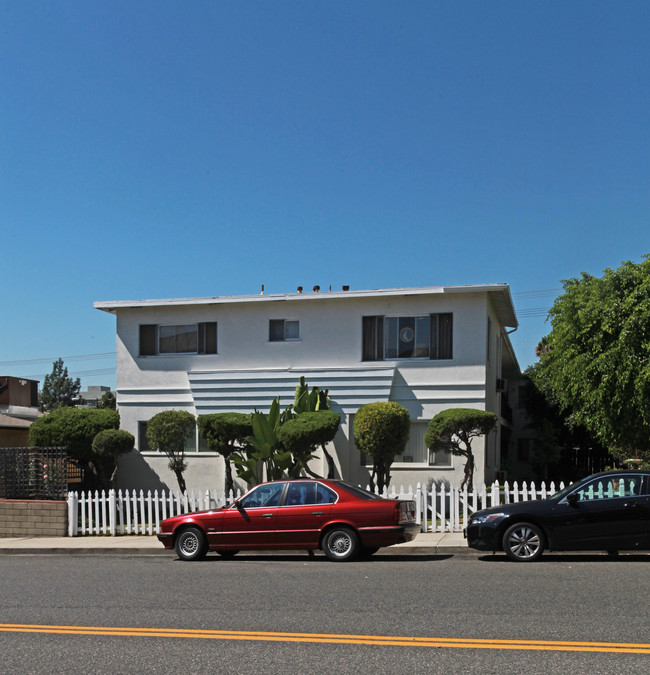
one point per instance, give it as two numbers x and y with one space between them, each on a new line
427 348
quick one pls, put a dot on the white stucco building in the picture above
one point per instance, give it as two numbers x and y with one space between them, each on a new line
426 348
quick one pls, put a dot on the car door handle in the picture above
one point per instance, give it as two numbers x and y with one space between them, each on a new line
316 513
267 515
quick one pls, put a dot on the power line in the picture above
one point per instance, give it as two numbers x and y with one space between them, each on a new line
532 312
78 357
544 293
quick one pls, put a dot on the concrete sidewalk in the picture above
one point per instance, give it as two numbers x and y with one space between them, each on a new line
448 543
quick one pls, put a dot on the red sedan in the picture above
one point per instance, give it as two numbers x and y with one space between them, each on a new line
341 519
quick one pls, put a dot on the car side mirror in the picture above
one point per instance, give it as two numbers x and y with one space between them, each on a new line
572 499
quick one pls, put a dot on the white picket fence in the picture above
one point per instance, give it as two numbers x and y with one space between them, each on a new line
438 508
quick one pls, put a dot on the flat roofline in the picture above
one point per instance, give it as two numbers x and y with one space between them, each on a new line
501 292
110 305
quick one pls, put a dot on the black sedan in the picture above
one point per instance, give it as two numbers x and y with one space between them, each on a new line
608 511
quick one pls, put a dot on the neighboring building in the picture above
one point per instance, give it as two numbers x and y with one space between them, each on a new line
426 348
93 395
18 409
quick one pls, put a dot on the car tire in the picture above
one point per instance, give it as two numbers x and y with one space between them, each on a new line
523 542
191 544
227 554
341 544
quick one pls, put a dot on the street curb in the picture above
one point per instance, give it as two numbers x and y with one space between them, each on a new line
428 551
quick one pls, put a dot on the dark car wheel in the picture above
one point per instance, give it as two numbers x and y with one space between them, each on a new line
227 554
191 544
523 542
341 544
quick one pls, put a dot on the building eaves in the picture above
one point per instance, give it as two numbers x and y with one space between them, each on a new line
499 293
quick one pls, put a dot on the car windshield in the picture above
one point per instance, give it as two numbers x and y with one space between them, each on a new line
358 491
565 491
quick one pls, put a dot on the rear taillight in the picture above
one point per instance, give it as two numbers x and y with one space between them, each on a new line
405 512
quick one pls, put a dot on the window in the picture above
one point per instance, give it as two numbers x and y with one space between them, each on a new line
195 338
426 336
440 458
143 443
417 452
283 330
190 441
263 495
611 487
300 494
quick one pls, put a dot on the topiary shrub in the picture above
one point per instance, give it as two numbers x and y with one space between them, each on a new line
226 433
303 434
169 432
108 445
381 430
453 430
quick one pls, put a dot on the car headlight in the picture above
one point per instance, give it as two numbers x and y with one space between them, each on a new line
485 518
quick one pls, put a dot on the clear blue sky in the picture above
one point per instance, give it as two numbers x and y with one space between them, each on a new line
158 149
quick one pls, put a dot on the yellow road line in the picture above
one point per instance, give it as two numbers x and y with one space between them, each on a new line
334 638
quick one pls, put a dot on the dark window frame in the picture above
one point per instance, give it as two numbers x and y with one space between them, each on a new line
278 330
149 339
441 337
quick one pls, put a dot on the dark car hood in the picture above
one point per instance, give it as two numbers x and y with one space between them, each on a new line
531 506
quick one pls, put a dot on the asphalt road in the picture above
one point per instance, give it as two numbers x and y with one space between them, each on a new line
448 602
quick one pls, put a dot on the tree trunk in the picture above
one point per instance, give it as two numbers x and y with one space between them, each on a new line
331 472
181 480
469 473
230 484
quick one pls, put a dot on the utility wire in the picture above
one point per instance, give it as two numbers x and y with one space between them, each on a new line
78 357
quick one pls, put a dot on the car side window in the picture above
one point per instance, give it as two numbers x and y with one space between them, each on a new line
611 487
325 495
263 495
301 493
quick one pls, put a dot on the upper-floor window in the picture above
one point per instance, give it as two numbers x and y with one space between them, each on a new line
426 336
282 330
195 338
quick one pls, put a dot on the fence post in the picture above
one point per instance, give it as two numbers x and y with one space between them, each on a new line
111 512
73 514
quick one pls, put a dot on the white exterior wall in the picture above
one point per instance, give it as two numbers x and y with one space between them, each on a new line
328 354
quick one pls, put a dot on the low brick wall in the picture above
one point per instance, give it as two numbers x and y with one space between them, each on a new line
33 518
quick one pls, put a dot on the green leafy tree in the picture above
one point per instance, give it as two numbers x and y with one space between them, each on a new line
596 363
310 401
170 432
226 433
107 446
313 401
264 458
556 443
381 430
75 429
454 429
305 433
107 400
59 390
